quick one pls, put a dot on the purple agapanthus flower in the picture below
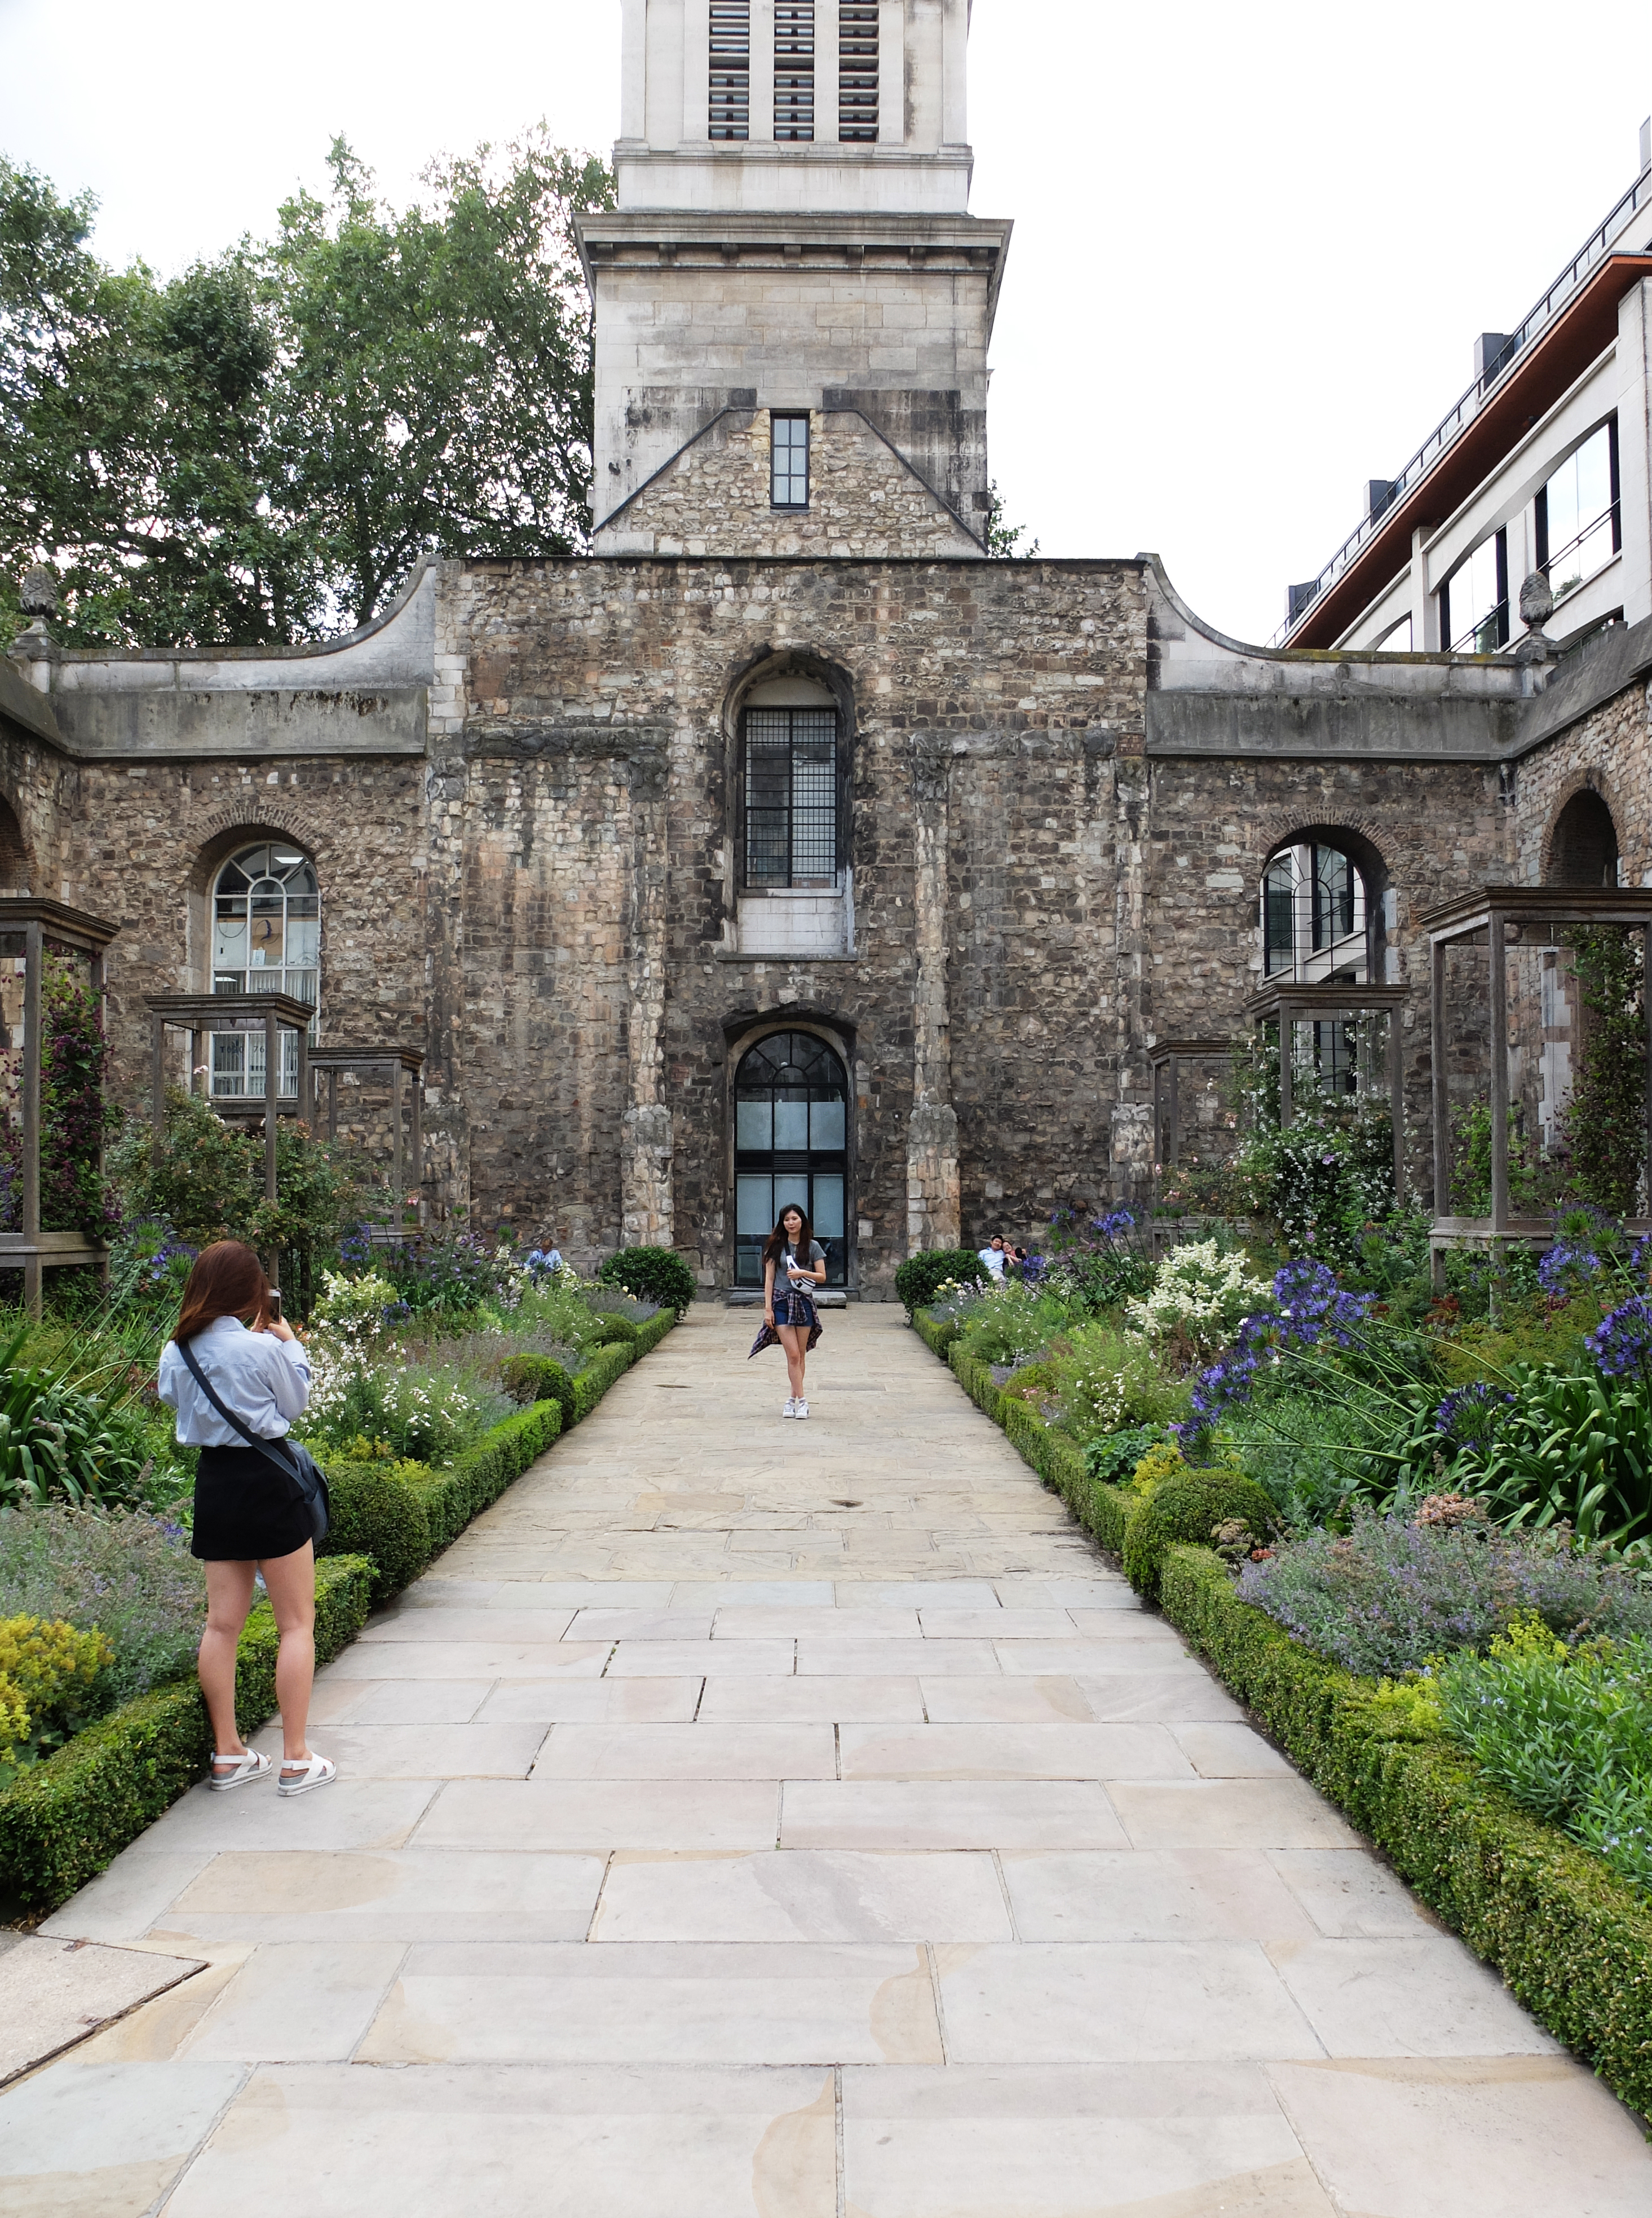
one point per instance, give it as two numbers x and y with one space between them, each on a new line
1116 1226
1623 1341
1566 1262
1310 1308
1468 1414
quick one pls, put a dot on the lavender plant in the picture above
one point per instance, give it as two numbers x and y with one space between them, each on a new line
1386 1597
128 1575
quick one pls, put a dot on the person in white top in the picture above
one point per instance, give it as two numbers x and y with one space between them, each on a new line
248 1511
994 1258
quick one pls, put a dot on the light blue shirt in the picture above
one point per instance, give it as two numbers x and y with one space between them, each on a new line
264 1380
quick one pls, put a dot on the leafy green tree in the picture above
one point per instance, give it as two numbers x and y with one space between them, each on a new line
259 451
133 426
436 379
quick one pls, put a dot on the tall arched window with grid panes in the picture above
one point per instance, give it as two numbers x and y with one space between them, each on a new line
1316 931
266 939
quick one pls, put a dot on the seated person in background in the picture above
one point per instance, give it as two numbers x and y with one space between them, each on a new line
994 1258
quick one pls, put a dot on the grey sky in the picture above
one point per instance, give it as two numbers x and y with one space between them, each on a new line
1252 246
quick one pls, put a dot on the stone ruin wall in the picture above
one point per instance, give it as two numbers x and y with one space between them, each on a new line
993 706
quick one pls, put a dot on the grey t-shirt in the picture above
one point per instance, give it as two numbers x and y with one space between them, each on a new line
817 1255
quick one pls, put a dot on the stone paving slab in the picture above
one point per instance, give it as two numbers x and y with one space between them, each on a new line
799 1821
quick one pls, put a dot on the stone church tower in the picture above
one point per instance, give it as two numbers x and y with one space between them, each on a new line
794 304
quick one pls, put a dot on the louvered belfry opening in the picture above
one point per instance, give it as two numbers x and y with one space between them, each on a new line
857 69
730 109
794 69
791 797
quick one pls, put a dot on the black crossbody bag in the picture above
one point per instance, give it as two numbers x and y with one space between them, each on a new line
296 1462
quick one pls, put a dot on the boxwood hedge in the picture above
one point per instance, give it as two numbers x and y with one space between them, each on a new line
1571 1940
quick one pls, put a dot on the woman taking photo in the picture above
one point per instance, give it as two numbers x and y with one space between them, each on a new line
250 1513
794 1265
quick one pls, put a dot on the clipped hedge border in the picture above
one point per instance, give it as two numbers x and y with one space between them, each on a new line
1571 1940
63 1820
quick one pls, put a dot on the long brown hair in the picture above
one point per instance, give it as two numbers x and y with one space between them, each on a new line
226 1279
775 1246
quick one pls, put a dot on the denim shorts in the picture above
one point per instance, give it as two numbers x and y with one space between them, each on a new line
795 1308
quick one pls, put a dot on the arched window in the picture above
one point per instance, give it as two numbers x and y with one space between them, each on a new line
1316 932
791 775
791 1143
1314 917
266 923
1584 849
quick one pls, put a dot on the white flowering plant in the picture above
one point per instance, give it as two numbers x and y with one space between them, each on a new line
1198 1298
364 1383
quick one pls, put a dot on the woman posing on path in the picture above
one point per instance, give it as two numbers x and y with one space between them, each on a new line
794 1264
249 1512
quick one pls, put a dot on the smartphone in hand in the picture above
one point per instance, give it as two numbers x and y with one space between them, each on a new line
272 1306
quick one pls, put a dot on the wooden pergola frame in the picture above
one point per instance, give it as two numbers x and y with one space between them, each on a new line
401 1064
41 927
199 1014
1167 1058
1289 1003
1492 910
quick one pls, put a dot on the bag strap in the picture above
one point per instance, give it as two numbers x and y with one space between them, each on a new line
271 1448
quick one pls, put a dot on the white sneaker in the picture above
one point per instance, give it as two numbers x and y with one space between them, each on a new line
790 1410
800 1409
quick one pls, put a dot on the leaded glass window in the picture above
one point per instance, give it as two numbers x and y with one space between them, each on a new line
266 927
791 1143
1315 930
791 797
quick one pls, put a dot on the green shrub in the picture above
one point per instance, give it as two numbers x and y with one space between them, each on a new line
937 1334
651 1275
918 1278
599 1374
128 1575
1572 1941
477 1477
62 1821
1189 1509
48 1672
612 1332
1567 1733
653 1329
1113 1457
376 1513
539 1378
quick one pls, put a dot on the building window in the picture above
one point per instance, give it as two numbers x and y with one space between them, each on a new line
266 939
1314 920
1398 641
1314 916
729 114
788 462
791 1146
1473 600
791 797
857 69
794 69
1577 519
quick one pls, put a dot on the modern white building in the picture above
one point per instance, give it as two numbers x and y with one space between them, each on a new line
1541 466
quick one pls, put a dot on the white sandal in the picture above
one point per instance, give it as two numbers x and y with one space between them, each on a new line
249 1764
316 1771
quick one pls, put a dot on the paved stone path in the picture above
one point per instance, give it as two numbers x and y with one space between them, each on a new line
798 1820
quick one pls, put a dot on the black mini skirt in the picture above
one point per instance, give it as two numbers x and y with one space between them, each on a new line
247 1509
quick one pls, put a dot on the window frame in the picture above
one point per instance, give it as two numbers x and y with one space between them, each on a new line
1497 615
301 980
777 417
793 881
1542 555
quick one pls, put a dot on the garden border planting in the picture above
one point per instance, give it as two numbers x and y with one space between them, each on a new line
1571 1940
63 1820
